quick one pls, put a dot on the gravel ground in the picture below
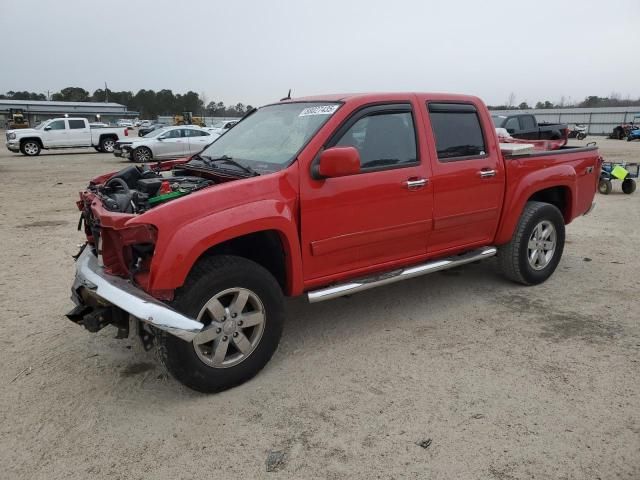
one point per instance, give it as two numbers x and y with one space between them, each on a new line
457 375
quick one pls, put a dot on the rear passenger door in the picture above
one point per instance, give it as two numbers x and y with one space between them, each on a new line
468 177
197 140
79 133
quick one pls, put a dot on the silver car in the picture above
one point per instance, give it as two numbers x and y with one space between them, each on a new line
164 143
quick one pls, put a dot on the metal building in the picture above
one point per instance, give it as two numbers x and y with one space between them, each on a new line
36 111
599 121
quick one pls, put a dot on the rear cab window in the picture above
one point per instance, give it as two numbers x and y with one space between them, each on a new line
76 124
457 131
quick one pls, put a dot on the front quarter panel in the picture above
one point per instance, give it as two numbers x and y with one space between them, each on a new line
190 226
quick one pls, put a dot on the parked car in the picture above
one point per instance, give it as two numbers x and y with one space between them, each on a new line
145 123
222 126
163 143
63 133
197 254
154 126
124 123
525 125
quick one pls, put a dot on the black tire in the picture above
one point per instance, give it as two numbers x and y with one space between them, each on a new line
142 155
98 149
628 186
208 278
581 136
514 256
605 187
107 144
30 148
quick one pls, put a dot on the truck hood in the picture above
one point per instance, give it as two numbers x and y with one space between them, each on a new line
23 131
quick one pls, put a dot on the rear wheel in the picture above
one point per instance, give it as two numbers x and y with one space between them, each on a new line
30 148
581 136
536 247
241 307
605 187
628 186
107 144
142 155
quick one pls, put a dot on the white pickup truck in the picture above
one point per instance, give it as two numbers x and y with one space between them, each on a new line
63 133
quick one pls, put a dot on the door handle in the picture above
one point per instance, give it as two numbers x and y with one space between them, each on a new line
413 184
487 173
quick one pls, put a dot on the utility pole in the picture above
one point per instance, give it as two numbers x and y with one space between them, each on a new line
106 93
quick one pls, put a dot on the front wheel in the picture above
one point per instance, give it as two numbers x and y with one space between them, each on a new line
142 155
30 148
241 307
536 246
628 186
581 136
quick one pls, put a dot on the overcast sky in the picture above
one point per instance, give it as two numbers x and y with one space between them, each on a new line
254 51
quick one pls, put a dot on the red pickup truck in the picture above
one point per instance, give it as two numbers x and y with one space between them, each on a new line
324 196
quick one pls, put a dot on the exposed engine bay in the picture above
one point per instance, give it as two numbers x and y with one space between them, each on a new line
136 189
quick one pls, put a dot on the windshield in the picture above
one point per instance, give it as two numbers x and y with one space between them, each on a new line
42 125
156 132
270 138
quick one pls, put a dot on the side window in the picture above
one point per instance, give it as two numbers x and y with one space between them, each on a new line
457 131
512 125
527 122
76 124
382 139
57 125
173 133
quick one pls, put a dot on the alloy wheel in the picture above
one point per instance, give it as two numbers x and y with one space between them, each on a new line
541 245
235 320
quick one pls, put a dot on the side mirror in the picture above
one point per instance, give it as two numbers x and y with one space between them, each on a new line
337 162
47 128
161 137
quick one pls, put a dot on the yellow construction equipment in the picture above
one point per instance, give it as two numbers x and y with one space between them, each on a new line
16 119
187 118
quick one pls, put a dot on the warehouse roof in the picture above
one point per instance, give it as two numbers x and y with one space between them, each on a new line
44 103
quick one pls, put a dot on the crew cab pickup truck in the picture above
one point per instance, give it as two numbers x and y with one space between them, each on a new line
63 133
525 125
323 196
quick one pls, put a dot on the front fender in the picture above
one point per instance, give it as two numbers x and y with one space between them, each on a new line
177 251
527 183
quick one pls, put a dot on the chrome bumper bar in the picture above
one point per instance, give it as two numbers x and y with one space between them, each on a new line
123 294
359 285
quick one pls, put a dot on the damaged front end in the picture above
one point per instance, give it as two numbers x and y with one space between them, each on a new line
112 283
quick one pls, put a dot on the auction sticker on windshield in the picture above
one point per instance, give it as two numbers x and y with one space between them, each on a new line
319 110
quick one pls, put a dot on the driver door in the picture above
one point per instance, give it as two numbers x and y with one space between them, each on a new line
56 134
172 145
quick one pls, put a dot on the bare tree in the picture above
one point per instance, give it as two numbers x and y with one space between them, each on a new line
511 100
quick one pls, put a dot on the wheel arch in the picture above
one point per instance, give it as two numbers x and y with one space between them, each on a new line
555 185
269 240
37 139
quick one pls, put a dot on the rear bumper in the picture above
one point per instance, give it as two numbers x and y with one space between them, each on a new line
92 281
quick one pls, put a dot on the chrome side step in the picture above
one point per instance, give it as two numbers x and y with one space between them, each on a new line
393 276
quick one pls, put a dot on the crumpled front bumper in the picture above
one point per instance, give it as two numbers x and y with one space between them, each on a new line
92 281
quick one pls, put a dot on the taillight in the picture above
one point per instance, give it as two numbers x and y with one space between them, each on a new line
126 132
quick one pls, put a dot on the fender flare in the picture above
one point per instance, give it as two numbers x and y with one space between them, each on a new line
530 184
177 253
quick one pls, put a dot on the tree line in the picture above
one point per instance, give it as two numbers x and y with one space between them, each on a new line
592 101
149 103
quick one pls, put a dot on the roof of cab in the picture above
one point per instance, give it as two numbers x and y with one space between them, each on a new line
377 96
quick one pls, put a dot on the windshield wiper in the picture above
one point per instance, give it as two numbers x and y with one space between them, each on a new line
230 161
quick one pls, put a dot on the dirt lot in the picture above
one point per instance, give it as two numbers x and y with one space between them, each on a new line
506 382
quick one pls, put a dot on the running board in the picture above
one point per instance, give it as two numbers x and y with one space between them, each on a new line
393 276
